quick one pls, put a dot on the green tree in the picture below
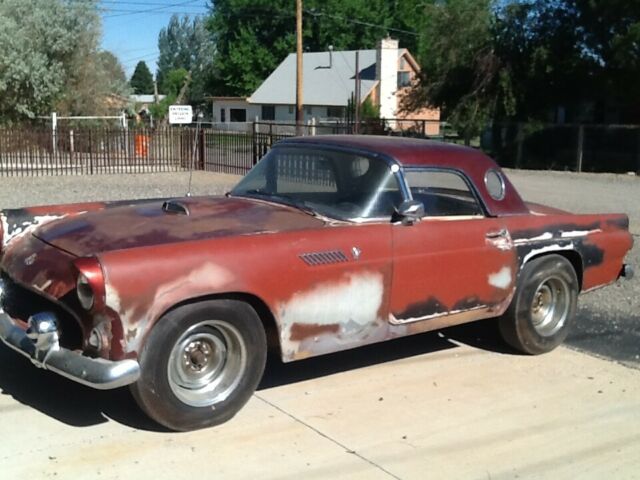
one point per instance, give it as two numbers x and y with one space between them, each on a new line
252 37
461 73
141 80
186 43
42 45
174 83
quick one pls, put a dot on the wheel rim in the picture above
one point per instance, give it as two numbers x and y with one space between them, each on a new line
207 363
550 306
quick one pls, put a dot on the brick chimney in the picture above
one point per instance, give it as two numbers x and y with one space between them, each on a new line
387 75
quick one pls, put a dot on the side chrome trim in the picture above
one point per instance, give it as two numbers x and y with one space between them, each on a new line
93 372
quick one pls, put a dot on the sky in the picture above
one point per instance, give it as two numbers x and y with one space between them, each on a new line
130 27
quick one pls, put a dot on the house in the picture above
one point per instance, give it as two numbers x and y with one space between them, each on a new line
386 74
141 103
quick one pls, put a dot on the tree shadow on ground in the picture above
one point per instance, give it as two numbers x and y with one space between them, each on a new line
80 406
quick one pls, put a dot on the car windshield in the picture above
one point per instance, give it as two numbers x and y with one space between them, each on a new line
335 184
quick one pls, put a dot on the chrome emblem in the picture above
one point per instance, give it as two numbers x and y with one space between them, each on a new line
355 251
30 259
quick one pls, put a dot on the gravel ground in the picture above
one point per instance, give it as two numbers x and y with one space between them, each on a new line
608 319
27 191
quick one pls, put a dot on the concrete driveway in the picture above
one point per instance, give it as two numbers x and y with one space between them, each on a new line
421 407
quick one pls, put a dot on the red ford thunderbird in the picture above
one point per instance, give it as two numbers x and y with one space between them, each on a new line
328 243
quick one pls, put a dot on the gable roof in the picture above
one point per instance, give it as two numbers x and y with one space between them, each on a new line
328 79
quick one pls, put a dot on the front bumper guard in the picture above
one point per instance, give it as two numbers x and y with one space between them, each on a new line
40 345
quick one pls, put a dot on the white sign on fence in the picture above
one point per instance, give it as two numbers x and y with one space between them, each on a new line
180 114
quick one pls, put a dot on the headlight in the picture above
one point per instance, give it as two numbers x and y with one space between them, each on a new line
90 283
85 292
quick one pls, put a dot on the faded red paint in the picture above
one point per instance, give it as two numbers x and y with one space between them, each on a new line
405 278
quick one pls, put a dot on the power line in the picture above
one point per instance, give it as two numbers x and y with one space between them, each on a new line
143 4
155 9
316 13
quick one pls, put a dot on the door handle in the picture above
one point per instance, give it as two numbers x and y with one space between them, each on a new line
497 233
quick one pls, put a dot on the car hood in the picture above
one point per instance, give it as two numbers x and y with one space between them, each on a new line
177 220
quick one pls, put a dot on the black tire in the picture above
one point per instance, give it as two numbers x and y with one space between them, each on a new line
200 364
544 305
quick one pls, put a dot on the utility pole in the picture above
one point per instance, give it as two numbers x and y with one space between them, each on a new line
299 112
357 94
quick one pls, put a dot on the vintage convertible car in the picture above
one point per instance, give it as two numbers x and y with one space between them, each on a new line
328 243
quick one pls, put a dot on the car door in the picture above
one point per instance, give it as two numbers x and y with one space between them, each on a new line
456 262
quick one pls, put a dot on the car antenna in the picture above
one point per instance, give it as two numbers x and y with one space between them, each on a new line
193 153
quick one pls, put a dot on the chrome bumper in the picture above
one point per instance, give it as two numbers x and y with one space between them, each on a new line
40 344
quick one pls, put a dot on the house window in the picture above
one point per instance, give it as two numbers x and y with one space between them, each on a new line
335 112
404 79
268 112
238 114
223 115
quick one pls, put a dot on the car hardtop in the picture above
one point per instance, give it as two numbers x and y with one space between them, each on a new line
421 153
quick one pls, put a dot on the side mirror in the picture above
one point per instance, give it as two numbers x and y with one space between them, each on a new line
410 211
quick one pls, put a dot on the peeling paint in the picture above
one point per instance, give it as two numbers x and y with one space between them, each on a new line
540 238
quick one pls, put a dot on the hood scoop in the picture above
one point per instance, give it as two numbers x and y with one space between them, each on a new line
175 207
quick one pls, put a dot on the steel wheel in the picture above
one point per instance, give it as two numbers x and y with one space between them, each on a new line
207 363
550 306
543 306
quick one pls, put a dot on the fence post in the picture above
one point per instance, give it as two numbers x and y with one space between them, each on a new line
312 129
519 141
54 126
254 139
201 155
580 147
638 151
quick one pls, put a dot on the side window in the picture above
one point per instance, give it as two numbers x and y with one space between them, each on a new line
442 193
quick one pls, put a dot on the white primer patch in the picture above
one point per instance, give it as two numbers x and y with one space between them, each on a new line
353 302
356 300
501 279
578 233
549 248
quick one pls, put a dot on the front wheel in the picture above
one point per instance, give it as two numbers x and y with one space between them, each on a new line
200 364
544 306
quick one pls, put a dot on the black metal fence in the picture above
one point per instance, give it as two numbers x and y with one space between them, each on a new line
42 151
93 150
577 147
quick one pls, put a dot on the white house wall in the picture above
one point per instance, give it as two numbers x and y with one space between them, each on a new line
283 113
227 105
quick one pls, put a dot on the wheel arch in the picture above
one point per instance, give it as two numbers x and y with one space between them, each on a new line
261 308
573 256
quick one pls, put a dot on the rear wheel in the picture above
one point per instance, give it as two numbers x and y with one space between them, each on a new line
200 364
543 308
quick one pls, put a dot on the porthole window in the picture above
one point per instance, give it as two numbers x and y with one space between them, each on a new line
495 184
